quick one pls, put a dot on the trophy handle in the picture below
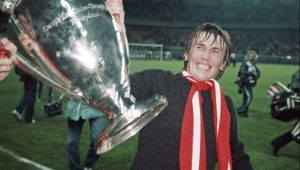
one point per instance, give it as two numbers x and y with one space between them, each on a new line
34 71
40 58
123 37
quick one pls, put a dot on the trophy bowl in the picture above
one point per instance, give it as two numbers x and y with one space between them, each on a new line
82 52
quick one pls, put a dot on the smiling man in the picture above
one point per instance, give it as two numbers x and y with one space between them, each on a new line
198 128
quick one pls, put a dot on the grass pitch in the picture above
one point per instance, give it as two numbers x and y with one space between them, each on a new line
44 142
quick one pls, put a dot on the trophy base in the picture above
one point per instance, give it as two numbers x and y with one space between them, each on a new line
125 126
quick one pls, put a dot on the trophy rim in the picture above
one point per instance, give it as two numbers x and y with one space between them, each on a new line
118 136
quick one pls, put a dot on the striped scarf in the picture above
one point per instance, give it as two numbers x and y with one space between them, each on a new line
192 145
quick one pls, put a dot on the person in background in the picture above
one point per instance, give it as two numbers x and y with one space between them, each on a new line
198 129
77 113
40 86
293 134
285 138
27 100
233 59
247 79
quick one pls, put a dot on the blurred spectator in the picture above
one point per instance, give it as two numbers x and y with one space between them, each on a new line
287 137
247 78
233 59
238 11
77 113
170 27
293 108
40 86
27 100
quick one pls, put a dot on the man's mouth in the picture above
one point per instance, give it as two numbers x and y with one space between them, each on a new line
203 66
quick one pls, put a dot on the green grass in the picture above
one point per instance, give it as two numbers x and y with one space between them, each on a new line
45 141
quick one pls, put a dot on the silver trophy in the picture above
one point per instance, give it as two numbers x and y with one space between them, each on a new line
82 52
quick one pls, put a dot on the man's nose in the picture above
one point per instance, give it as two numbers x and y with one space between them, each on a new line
205 55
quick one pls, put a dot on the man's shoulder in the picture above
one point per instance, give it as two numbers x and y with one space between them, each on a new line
158 71
154 73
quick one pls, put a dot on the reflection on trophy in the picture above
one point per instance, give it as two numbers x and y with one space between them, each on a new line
82 52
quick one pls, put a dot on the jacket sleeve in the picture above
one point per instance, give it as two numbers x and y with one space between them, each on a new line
240 159
149 82
141 84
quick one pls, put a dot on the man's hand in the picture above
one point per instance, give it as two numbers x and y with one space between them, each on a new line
115 7
7 62
27 42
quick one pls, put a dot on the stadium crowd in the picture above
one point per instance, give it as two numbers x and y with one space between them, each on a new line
233 11
264 42
159 26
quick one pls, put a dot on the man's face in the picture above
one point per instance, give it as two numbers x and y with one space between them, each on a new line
251 57
205 58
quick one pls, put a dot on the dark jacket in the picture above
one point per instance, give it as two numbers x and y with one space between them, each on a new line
30 83
248 74
159 141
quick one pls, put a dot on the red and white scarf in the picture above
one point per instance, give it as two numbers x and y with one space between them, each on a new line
192 145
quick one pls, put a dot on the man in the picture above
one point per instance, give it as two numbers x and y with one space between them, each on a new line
198 128
77 113
293 108
285 138
247 78
233 59
40 87
27 100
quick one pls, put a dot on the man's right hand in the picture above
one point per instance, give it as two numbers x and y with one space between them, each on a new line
7 62
27 42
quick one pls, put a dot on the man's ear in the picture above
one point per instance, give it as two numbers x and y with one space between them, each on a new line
185 56
223 66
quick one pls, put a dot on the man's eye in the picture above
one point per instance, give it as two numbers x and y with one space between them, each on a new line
216 51
199 46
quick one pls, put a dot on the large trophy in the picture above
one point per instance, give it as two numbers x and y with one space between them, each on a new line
82 52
